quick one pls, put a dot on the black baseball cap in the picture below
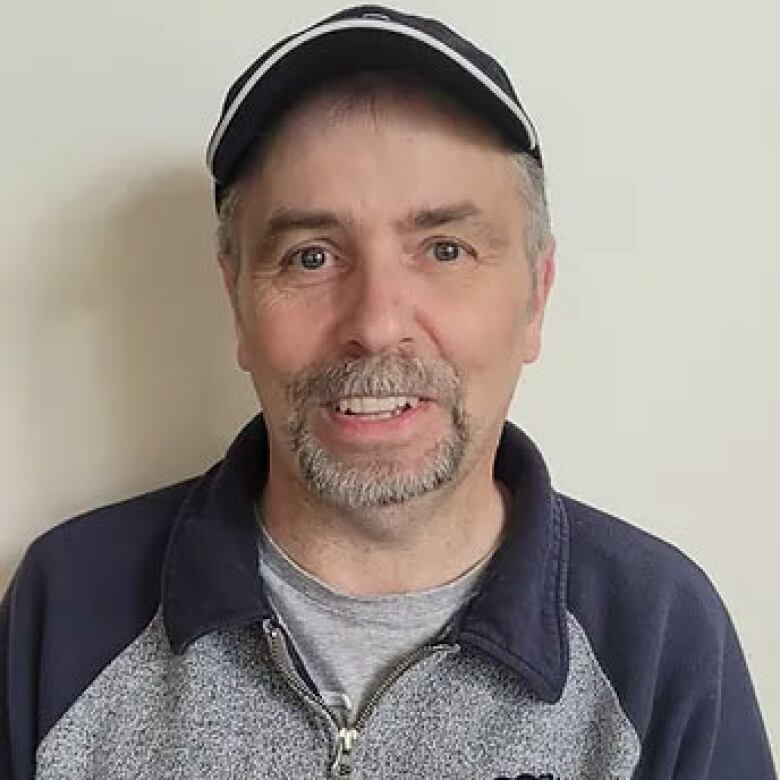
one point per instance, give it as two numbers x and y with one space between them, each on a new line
366 37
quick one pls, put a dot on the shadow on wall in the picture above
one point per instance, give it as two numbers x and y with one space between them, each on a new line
131 381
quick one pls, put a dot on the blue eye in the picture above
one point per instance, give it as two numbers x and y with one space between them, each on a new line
446 251
311 258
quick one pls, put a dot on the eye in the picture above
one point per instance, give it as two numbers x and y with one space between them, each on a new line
310 258
445 251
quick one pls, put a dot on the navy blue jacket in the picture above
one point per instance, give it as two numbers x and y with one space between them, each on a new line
584 627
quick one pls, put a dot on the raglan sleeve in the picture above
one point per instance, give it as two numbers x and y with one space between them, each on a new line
706 724
669 648
727 738
20 630
5 742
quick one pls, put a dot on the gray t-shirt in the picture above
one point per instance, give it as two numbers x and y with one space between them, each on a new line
348 644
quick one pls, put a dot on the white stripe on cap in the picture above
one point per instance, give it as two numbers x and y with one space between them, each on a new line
352 24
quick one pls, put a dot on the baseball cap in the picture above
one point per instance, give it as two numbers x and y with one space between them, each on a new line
366 37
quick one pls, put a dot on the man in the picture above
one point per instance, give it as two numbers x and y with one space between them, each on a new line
378 580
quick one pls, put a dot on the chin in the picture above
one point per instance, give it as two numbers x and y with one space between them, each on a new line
360 485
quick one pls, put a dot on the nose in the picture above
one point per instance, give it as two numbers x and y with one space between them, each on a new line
377 309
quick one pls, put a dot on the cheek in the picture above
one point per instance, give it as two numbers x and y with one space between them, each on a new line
482 330
282 334
484 339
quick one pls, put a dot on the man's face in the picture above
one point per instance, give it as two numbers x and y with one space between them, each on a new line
384 303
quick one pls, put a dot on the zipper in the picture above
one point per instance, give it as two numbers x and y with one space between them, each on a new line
280 656
420 654
344 760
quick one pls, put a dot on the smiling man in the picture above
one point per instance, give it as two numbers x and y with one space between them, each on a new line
384 316
379 579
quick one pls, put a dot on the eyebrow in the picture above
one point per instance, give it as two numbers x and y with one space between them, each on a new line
285 220
428 218
454 213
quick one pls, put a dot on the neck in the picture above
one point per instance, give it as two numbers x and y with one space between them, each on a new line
412 546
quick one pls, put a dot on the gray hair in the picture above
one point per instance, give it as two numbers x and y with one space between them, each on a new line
227 241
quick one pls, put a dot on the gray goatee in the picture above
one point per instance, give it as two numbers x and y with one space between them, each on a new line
378 481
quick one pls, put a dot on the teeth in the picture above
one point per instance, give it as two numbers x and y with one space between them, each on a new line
380 407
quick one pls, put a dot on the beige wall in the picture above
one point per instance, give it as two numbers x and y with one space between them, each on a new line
657 397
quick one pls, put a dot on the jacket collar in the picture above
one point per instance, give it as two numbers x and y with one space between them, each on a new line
519 615
210 576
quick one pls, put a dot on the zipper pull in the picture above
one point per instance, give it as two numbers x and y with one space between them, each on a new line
345 760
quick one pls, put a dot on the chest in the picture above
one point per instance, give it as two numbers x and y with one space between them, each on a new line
224 709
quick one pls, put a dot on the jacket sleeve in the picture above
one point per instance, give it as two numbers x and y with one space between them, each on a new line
19 651
706 722
85 589
5 740
726 737
665 640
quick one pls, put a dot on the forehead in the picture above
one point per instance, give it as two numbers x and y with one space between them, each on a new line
382 146
380 95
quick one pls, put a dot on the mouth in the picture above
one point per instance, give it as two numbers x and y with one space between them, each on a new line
371 408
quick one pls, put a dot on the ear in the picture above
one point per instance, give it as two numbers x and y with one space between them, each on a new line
545 276
230 276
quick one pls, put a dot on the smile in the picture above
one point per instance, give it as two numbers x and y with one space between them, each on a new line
376 408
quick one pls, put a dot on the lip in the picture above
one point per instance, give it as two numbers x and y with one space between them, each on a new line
363 429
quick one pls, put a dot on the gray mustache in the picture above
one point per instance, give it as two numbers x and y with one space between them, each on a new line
376 375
